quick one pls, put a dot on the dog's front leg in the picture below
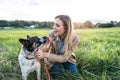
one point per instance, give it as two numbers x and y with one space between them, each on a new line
38 70
24 76
38 74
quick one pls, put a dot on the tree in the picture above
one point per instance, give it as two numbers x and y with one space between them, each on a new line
3 23
88 24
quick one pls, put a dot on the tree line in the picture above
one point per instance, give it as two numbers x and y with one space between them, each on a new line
24 24
49 24
89 24
109 24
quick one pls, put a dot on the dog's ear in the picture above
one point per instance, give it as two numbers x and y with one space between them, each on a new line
28 36
24 41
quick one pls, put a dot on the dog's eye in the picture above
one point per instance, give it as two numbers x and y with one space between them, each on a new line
30 49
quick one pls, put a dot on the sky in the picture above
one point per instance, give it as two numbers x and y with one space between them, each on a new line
46 10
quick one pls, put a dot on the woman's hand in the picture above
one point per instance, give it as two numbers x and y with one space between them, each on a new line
39 54
42 53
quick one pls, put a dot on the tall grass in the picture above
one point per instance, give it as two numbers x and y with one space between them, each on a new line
98 54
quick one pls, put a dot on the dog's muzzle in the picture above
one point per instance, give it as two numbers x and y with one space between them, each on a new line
42 40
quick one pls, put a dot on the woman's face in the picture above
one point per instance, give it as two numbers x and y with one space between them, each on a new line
58 27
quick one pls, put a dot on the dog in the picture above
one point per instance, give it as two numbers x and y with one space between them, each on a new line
26 57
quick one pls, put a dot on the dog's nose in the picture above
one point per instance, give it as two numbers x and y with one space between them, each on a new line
41 40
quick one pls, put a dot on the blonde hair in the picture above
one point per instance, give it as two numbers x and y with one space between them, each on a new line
68 26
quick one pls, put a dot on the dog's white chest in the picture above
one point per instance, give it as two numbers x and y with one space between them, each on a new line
28 66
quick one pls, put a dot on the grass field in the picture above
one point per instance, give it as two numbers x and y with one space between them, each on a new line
98 54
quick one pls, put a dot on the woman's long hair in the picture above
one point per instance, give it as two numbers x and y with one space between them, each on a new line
68 26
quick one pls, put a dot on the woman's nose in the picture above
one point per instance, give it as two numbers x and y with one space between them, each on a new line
53 27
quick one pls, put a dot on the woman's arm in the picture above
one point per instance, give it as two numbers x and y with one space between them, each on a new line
67 55
59 58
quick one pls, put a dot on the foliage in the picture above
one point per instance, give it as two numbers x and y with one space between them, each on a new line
98 54
24 24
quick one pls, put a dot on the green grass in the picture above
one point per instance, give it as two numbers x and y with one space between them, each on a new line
98 54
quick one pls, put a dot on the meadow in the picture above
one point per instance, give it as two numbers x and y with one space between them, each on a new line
98 54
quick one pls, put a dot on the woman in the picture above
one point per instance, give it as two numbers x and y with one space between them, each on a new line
59 50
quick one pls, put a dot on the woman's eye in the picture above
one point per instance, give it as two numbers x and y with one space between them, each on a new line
57 25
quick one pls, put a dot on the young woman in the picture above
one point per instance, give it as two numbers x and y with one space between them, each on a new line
59 50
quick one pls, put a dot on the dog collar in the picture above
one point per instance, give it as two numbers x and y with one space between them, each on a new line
29 58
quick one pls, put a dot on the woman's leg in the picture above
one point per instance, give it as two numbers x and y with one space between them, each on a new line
72 68
56 70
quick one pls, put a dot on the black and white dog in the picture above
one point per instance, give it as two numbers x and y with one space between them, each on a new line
26 58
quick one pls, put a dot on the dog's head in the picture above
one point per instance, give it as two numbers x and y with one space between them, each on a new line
31 43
